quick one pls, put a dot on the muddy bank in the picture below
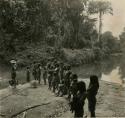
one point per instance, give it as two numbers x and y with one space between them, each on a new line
110 102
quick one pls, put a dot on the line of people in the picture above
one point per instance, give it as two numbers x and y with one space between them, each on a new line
62 81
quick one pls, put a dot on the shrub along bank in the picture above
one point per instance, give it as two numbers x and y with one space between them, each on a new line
41 54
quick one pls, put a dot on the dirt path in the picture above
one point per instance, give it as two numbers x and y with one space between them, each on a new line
13 101
111 102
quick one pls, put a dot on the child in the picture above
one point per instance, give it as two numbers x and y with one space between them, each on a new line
92 92
78 101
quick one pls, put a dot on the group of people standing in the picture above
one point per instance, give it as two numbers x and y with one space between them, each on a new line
62 81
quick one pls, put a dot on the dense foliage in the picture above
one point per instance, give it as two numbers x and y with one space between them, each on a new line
109 43
57 23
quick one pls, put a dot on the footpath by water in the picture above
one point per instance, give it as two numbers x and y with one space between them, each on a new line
110 102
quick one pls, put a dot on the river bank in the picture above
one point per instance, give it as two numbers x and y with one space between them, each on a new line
110 98
110 102
40 53
100 68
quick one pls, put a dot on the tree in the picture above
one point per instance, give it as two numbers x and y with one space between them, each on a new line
122 39
55 22
12 15
100 8
69 23
109 43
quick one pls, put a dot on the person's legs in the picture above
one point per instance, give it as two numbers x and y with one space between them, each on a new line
28 76
92 113
62 90
35 78
39 79
44 81
69 95
14 79
79 114
49 85
57 85
59 90
53 84
92 105
27 79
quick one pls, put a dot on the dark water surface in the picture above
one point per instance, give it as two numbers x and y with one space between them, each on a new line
111 70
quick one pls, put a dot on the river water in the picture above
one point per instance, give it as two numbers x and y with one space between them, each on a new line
110 70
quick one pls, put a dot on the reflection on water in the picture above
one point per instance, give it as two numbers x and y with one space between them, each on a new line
110 70
114 76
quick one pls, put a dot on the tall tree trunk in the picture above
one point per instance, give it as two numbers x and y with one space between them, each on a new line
100 26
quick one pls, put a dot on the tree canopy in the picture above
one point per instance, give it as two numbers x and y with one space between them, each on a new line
58 23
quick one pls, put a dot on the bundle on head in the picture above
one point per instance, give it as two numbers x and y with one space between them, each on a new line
34 83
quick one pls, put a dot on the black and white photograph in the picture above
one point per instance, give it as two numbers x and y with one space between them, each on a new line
62 58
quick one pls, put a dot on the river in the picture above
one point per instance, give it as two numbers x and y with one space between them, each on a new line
110 70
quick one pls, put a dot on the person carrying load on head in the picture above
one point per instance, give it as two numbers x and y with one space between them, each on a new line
13 81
